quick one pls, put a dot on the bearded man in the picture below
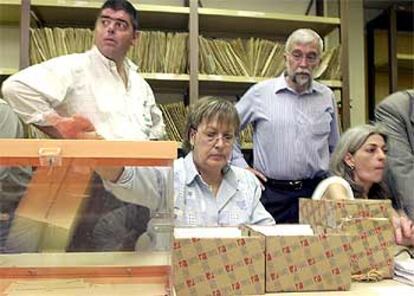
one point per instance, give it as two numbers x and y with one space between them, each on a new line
295 128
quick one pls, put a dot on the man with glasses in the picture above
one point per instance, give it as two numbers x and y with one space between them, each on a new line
295 128
94 93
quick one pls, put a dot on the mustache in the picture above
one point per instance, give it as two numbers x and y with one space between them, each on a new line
303 72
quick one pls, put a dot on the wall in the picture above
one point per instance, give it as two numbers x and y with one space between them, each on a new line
9 47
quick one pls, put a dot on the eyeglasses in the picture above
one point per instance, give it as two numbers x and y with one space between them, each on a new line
311 58
212 137
119 24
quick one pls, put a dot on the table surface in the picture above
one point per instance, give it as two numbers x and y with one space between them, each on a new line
381 288
130 285
125 287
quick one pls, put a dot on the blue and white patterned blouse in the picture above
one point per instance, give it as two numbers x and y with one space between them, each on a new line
237 201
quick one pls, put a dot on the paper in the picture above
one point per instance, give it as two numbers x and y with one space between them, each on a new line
404 271
207 232
283 229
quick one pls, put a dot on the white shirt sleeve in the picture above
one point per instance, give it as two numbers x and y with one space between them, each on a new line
37 90
323 186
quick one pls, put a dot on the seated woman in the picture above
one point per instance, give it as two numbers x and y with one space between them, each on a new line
357 166
208 191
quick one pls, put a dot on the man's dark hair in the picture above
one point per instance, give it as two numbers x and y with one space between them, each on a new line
125 6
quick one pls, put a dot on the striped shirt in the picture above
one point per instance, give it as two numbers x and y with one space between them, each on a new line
294 134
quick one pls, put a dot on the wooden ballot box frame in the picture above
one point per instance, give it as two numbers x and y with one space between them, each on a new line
54 161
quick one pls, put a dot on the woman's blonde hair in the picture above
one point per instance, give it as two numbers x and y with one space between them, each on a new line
210 108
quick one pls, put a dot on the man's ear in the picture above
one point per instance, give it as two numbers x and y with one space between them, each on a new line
285 56
349 160
135 38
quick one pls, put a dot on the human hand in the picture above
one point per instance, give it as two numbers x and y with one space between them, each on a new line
75 127
403 230
262 178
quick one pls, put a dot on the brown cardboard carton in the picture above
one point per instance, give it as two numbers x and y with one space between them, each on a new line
372 245
219 266
307 263
367 221
329 213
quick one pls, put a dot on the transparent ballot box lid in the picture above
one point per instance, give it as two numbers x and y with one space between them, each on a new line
73 210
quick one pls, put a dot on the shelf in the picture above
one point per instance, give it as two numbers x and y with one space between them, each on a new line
61 13
165 82
247 146
331 83
261 23
7 71
9 12
238 85
405 63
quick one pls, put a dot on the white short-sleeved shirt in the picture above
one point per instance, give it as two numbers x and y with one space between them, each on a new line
323 186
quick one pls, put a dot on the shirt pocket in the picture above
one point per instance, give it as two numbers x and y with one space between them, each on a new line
320 126
234 216
237 212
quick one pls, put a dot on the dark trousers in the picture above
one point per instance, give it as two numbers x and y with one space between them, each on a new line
282 201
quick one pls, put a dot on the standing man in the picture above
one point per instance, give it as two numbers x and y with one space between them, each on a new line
295 128
94 93
396 114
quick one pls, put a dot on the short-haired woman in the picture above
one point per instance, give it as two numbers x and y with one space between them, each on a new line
208 190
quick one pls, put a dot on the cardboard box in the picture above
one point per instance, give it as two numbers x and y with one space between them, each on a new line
367 221
372 245
307 263
219 266
329 213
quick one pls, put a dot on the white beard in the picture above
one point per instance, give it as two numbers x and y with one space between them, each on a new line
302 79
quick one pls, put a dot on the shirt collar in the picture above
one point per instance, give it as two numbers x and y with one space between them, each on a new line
281 85
192 173
129 65
190 169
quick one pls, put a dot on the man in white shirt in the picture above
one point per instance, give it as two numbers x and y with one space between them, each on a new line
94 93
